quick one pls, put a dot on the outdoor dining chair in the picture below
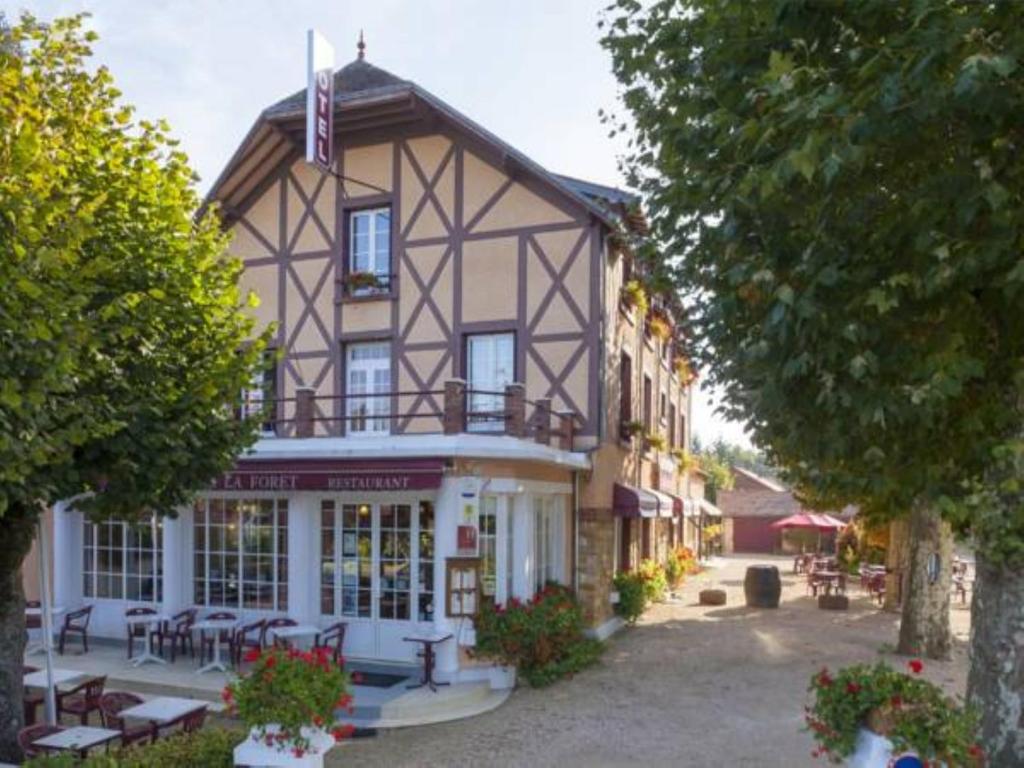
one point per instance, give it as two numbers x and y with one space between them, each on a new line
248 637
332 638
33 620
82 699
31 733
275 624
111 706
31 701
226 635
76 623
179 633
138 630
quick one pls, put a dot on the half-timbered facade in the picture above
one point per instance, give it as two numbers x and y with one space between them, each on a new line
450 390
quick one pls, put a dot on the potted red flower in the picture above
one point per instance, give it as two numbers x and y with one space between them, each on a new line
289 699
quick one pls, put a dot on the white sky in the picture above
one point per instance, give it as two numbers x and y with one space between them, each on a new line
531 71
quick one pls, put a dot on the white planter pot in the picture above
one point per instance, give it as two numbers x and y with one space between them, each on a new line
613 597
254 751
874 751
502 678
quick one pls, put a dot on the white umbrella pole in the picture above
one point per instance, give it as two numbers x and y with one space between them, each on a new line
47 620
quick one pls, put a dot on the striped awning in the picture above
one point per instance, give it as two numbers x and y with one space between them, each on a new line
666 503
628 501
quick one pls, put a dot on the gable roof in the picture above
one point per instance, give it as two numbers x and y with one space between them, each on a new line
754 480
360 84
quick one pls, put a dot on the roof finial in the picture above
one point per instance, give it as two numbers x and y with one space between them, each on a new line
361 46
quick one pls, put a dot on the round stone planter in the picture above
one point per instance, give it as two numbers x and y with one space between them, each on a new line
833 602
874 751
762 586
502 678
712 597
255 752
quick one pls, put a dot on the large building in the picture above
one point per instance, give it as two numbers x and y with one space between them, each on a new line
464 404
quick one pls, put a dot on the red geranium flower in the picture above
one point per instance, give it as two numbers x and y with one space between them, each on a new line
824 679
317 720
852 687
298 751
252 655
226 695
916 665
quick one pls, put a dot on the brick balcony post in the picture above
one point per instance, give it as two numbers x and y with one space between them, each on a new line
542 429
515 410
566 429
454 418
304 411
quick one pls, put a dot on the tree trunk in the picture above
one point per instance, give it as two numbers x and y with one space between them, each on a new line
17 529
897 558
995 684
924 627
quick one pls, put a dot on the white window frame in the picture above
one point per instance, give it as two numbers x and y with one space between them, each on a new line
548 540
262 387
378 262
368 416
90 560
479 403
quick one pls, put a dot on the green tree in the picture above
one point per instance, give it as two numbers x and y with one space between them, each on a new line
122 337
846 183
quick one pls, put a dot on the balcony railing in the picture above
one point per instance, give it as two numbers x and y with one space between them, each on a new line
461 410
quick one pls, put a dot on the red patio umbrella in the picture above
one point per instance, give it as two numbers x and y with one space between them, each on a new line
810 521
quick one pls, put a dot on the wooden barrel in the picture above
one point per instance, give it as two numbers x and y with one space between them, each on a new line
762 586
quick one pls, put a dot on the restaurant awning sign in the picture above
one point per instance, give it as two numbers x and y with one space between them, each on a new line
319 101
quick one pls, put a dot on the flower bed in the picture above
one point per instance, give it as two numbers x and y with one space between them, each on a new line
912 713
208 748
680 563
289 693
542 638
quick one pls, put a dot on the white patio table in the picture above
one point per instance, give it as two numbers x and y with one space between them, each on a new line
151 620
77 739
217 626
37 679
290 633
163 709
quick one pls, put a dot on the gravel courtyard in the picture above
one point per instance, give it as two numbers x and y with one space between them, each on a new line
687 686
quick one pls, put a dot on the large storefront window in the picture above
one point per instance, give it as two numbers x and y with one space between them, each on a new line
377 561
241 553
123 561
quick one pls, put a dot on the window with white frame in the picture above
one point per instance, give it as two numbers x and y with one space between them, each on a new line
547 540
490 367
369 267
123 561
488 539
368 388
241 553
258 398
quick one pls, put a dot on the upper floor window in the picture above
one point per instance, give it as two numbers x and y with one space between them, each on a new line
648 420
672 426
625 392
490 367
258 398
368 388
369 267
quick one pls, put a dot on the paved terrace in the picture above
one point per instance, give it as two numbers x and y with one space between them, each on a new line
688 686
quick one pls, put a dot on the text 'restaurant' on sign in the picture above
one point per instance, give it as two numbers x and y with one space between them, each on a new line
319 99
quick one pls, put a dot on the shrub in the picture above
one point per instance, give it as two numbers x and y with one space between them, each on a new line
653 576
635 297
542 638
675 569
290 690
208 748
632 595
912 713
655 441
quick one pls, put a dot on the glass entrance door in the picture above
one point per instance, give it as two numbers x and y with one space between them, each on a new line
376 563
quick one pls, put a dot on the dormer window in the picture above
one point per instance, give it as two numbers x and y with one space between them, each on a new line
369 265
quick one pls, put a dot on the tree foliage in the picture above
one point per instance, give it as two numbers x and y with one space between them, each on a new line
122 343
845 181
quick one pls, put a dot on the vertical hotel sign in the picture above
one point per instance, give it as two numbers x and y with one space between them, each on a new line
320 102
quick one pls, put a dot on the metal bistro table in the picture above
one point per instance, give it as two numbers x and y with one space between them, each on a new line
217 626
831 579
37 679
151 619
288 634
163 709
428 640
79 739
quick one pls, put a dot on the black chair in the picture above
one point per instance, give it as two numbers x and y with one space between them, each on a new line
76 623
333 639
138 630
275 624
248 637
226 636
82 699
111 706
180 633
31 701
31 733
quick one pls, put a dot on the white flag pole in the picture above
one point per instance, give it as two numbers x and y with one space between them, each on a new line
47 619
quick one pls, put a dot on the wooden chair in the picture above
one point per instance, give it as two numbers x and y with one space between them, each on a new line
275 624
111 706
138 630
248 637
31 701
30 733
226 636
332 638
82 699
76 623
179 634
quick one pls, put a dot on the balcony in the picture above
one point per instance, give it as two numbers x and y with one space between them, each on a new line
454 410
